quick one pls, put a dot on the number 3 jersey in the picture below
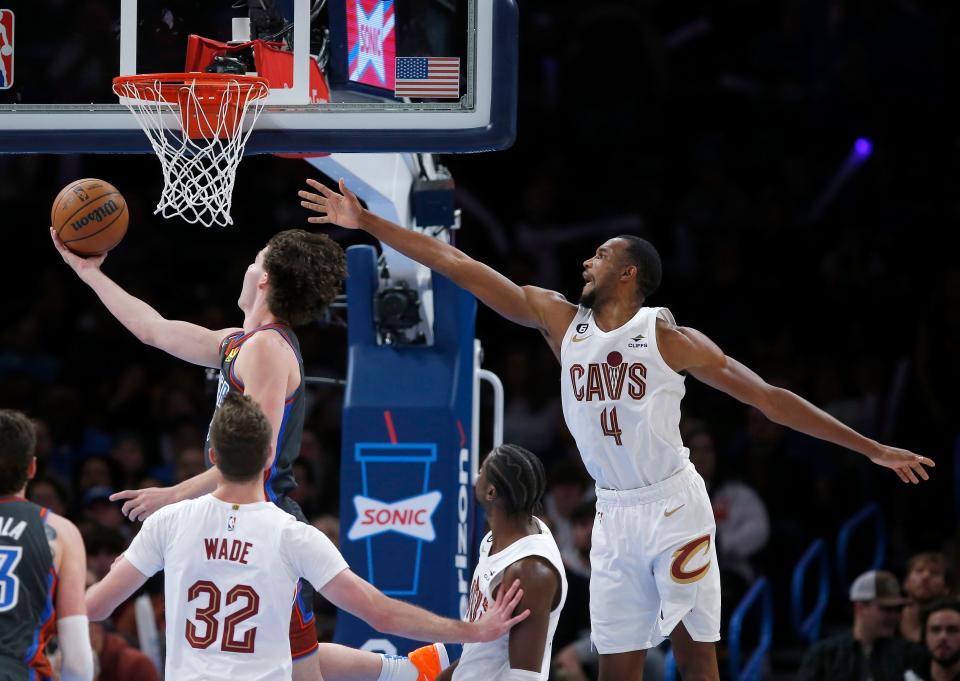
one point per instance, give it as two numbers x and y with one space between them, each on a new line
621 401
231 579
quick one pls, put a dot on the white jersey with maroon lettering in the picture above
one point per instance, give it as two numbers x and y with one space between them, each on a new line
231 577
621 401
491 661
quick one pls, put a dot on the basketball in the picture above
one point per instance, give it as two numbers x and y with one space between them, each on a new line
90 216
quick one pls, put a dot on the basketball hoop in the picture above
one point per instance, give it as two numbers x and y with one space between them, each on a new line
201 151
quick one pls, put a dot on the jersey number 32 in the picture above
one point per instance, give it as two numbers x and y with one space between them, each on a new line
208 615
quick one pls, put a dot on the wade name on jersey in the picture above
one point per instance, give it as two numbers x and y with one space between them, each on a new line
218 548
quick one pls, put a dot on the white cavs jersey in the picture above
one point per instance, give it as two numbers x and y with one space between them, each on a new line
621 401
231 577
491 661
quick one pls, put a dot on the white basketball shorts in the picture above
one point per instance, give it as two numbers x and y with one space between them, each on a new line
653 565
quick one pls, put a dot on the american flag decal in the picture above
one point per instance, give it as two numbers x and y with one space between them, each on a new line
429 77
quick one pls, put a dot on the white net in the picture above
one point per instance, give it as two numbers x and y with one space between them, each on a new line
198 132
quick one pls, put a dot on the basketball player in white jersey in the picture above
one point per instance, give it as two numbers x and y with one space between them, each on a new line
518 547
232 562
622 378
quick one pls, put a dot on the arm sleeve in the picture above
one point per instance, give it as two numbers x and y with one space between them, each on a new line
310 554
146 550
73 634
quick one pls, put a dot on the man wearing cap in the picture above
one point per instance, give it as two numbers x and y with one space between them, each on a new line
941 636
871 651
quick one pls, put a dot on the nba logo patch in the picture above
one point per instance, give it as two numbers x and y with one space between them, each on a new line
6 48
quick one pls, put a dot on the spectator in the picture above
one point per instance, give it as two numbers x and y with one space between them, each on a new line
103 547
871 650
119 661
49 493
743 525
926 582
566 489
99 510
189 464
941 636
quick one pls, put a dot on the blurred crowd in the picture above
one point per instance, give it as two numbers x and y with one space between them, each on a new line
719 131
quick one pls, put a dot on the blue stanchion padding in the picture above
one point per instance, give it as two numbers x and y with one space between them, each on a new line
807 627
758 595
670 667
869 513
406 495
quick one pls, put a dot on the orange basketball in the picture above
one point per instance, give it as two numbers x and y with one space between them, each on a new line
90 216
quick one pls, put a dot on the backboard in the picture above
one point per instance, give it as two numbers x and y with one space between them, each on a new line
346 75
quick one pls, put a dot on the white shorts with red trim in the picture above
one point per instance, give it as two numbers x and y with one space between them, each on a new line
654 565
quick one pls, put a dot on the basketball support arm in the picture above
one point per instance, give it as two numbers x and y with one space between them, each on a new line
384 182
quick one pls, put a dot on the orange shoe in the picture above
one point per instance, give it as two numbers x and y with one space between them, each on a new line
429 660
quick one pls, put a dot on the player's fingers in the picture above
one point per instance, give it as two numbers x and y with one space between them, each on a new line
320 187
901 475
507 596
926 462
919 470
515 601
128 508
310 196
319 208
346 192
910 475
125 494
319 220
519 618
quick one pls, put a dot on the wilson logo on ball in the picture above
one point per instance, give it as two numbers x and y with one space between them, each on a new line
96 215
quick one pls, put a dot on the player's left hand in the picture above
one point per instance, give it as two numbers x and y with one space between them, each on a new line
140 504
908 466
498 619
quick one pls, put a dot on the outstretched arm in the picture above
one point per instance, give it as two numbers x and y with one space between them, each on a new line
686 349
186 341
349 592
529 306
121 582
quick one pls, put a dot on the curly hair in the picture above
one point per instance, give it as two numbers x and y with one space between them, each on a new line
305 271
18 440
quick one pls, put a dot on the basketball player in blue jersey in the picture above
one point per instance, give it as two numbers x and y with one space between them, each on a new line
622 376
290 282
43 570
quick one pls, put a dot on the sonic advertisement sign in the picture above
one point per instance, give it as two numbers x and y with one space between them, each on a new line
394 512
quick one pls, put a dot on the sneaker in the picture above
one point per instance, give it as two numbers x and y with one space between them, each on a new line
429 660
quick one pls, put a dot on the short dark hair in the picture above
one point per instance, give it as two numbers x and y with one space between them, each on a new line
240 435
18 441
305 270
518 476
642 254
936 606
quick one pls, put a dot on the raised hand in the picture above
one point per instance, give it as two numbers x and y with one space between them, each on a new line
140 504
342 209
78 263
499 619
907 465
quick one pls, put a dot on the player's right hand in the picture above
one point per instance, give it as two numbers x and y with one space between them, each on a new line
78 263
340 209
497 620
140 504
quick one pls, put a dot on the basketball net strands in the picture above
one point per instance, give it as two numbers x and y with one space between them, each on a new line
215 114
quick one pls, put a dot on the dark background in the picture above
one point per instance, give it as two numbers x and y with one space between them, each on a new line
710 128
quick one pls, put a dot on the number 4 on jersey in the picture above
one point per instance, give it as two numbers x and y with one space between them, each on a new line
610 425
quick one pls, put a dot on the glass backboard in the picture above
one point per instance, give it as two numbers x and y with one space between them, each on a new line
345 75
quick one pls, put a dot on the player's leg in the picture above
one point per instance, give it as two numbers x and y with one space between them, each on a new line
340 663
688 580
623 666
696 660
624 603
